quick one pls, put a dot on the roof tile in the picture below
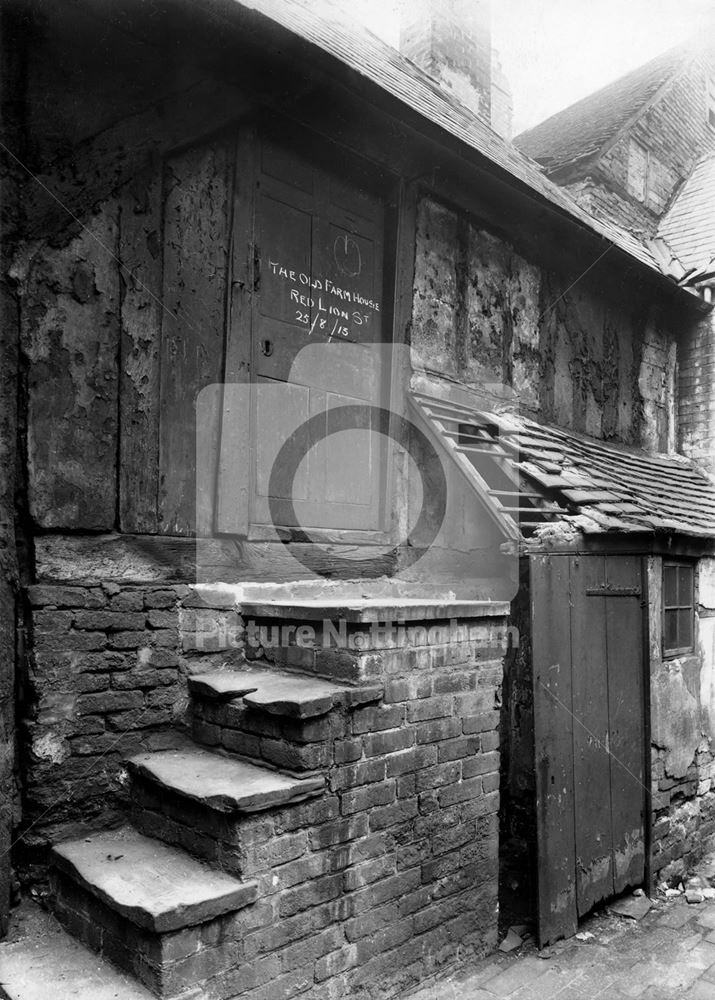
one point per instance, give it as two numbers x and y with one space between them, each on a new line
582 129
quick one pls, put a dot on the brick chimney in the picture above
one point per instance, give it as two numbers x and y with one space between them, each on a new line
451 40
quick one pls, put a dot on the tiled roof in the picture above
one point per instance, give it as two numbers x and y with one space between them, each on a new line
617 489
364 54
689 226
535 475
581 130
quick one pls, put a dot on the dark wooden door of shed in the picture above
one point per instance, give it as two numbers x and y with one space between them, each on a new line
589 728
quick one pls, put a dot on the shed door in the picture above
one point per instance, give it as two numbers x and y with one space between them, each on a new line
316 283
587 626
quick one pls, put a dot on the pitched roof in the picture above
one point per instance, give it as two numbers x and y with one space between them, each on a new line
533 475
364 54
581 130
689 225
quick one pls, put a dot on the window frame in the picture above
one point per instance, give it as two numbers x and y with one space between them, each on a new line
669 653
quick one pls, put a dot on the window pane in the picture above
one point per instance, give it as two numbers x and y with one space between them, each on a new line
671 629
685 585
685 629
670 585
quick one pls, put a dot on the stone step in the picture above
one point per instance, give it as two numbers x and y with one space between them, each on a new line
222 783
280 693
150 909
286 720
208 803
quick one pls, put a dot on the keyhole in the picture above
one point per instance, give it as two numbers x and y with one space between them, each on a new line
267 347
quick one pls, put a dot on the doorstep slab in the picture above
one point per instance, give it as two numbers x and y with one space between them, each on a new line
223 783
157 887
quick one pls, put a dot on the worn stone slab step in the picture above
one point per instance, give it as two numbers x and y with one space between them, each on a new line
156 887
286 694
222 783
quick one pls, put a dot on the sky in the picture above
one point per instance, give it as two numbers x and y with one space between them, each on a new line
556 51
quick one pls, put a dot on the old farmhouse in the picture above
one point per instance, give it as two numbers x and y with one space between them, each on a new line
358 534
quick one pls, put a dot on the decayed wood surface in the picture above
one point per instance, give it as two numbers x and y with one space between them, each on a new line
70 332
589 733
81 559
141 312
196 245
592 792
553 738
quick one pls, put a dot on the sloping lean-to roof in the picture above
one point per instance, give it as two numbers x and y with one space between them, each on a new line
583 129
533 475
366 55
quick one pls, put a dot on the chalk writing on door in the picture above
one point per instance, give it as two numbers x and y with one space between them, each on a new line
322 306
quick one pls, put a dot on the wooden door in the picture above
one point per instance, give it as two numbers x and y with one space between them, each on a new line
589 729
315 316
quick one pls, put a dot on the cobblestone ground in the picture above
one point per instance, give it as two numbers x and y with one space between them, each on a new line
667 955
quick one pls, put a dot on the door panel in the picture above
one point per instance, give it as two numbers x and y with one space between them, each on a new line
553 728
592 791
589 725
317 285
627 723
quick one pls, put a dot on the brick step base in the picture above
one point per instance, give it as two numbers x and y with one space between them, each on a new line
285 720
199 800
150 909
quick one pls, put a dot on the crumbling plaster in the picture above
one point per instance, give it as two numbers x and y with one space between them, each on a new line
600 364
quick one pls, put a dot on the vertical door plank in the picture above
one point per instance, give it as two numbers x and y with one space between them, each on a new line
553 738
141 318
592 775
234 477
624 629
196 247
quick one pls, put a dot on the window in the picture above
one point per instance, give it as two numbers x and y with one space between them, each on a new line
678 608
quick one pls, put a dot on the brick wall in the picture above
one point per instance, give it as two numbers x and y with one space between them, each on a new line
454 46
105 679
394 872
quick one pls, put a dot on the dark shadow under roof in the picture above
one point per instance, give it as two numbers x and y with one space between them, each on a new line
581 130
